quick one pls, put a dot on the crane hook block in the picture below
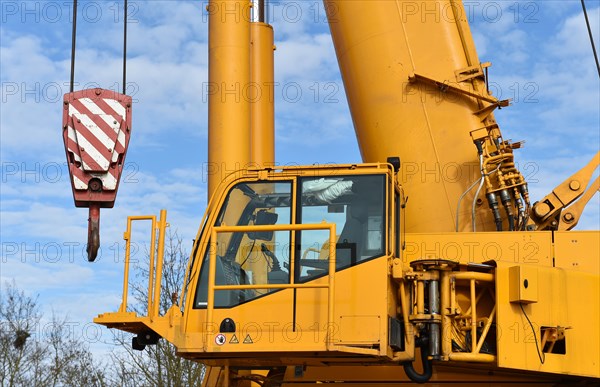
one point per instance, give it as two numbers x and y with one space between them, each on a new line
96 131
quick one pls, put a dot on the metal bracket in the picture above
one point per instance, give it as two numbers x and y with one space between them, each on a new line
486 111
471 72
445 87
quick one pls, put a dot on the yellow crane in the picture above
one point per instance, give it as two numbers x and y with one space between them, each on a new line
371 273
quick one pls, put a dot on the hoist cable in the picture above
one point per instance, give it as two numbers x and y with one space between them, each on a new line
73 34
125 47
587 22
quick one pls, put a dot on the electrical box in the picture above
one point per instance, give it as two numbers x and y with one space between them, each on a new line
523 284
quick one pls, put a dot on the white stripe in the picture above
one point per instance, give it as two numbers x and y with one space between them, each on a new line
73 137
110 121
121 137
116 106
92 127
117 128
89 149
85 166
91 106
108 181
120 110
78 183
107 118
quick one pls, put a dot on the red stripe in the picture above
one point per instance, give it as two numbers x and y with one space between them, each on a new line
109 110
110 133
86 157
84 177
72 146
120 148
82 130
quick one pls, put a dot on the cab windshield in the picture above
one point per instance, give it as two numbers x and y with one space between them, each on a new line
354 203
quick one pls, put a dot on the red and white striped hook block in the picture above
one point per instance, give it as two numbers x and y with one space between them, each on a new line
96 131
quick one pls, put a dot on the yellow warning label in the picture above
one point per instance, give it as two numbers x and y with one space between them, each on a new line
234 340
248 340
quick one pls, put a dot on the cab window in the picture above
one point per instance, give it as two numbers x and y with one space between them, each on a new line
249 258
356 205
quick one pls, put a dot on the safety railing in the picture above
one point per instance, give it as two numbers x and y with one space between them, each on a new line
471 314
154 268
330 285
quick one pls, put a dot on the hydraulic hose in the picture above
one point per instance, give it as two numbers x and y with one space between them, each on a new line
511 222
427 365
506 202
493 203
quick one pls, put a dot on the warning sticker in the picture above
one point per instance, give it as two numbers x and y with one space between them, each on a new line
234 339
248 340
220 339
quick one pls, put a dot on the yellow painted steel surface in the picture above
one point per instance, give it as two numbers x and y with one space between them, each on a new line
534 248
228 76
262 99
566 299
577 250
379 44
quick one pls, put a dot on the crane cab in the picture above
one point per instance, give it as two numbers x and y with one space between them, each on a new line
294 265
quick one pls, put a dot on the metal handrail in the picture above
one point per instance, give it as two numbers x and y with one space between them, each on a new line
154 268
212 287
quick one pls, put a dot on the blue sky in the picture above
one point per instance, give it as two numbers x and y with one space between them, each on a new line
541 59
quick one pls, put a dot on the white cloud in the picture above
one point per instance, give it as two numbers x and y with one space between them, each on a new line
572 39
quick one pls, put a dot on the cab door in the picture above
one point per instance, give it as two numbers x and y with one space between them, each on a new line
356 204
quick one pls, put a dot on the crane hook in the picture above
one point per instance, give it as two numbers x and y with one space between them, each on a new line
93 243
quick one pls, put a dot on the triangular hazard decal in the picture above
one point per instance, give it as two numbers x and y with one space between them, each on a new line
248 340
234 340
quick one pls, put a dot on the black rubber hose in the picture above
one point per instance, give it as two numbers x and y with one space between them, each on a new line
493 202
511 222
498 225
427 367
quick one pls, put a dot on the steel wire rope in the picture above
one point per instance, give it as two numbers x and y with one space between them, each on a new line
587 22
73 36
74 40
125 46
